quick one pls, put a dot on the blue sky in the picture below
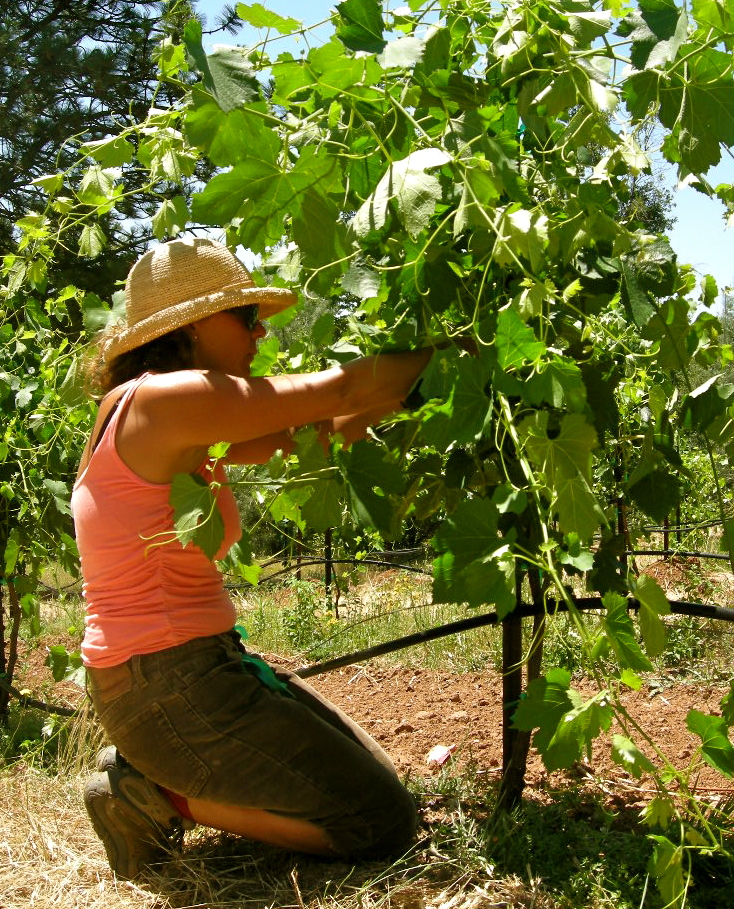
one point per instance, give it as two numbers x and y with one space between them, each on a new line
700 237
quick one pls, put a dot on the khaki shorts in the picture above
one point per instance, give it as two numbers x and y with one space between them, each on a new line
197 721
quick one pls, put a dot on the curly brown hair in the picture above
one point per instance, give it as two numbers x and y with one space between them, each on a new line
170 352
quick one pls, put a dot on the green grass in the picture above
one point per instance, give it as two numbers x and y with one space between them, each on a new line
296 621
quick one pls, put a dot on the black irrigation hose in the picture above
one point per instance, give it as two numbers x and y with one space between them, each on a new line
491 618
355 562
26 701
685 554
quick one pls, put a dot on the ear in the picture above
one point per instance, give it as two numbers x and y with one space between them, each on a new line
191 332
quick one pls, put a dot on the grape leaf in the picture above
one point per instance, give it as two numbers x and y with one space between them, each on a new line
547 699
576 553
226 72
97 186
470 532
653 603
60 493
658 812
656 31
196 517
716 747
371 477
577 508
558 383
256 14
657 492
362 26
621 633
565 455
474 564
515 342
262 181
489 580
635 298
521 233
666 867
404 52
62 662
228 137
362 282
92 241
324 508
576 731
287 504
171 218
111 152
629 756
414 191
704 404
716 15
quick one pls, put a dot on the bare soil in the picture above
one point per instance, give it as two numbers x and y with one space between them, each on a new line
411 711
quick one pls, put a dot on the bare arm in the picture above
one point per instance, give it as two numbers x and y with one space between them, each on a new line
355 426
350 428
177 416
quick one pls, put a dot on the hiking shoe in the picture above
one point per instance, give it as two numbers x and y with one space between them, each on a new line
135 821
110 757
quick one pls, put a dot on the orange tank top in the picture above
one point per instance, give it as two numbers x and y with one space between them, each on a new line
144 591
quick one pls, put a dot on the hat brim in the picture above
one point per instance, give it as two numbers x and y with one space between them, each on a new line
269 300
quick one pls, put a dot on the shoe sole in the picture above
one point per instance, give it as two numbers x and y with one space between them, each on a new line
111 816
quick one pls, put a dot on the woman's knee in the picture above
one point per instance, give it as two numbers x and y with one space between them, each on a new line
399 835
388 829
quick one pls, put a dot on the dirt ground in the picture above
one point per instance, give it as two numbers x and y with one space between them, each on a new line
412 711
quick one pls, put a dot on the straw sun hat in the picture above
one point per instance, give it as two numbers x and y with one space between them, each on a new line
177 283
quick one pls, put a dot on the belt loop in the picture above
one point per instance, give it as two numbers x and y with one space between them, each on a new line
137 670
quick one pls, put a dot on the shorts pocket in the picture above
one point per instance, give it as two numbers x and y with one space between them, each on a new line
194 665
107 686
153 746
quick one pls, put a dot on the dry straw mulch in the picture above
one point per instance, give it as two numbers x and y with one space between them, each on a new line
49 854
51 857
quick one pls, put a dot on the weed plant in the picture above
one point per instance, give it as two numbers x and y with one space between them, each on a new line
298 622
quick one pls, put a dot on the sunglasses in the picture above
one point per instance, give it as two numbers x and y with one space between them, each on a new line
246 315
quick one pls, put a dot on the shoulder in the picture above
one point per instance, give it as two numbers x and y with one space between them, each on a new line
188 398
185 384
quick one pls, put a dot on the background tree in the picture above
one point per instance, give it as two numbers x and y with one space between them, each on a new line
72 73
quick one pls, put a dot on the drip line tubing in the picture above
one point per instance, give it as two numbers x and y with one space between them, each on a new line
308 563
523 610
675 528
677 552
